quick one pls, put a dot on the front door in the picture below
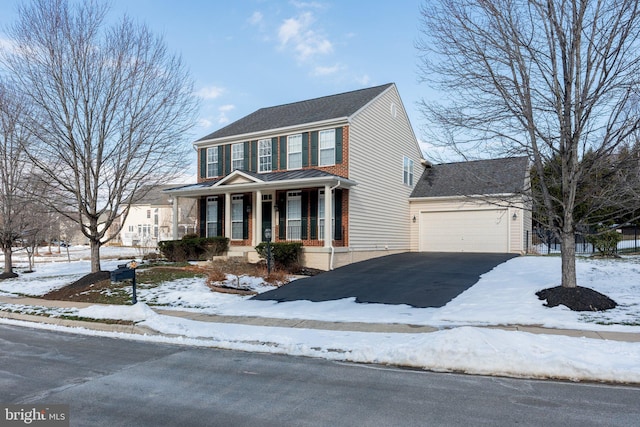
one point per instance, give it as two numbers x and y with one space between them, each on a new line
266 219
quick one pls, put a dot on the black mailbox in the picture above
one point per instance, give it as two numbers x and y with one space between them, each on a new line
123 272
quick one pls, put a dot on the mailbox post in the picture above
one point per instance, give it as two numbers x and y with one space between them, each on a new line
126 272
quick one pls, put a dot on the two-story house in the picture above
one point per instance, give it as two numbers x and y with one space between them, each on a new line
150 219
334 173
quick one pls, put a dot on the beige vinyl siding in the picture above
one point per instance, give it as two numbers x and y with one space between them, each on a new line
379 205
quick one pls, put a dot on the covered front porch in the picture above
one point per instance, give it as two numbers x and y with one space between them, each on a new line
292 205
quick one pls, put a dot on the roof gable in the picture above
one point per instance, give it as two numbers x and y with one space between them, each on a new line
479 177
297 113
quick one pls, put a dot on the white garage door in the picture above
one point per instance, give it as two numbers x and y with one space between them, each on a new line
465 231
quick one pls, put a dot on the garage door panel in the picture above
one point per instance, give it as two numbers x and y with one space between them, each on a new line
464 231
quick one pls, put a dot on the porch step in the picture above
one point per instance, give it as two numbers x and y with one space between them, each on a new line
237 254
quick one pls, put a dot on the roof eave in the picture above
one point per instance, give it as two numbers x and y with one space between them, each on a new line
272 185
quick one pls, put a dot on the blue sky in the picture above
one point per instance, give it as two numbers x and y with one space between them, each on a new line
249 54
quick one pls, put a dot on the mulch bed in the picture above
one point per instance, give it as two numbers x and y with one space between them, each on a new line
85 283
577 299
7 275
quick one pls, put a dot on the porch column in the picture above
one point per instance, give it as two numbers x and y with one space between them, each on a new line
257 224
227 215
174 219
328 241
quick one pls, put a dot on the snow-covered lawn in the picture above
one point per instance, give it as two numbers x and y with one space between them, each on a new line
503 296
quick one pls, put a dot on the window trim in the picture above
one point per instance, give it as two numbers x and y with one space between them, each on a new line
267 147
294 195
407 171
332 148
290 151
236 149
237 200
211 201
210 163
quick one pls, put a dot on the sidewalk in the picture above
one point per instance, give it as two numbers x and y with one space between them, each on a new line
272 322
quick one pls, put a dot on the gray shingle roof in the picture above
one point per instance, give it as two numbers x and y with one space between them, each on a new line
479 177
297 113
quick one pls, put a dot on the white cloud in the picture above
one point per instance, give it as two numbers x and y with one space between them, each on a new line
210 92
222 113
256 18
296 33
364 80
325 71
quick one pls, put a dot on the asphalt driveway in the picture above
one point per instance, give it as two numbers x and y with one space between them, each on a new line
419 279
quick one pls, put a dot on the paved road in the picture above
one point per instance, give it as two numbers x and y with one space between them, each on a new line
413 278
109 382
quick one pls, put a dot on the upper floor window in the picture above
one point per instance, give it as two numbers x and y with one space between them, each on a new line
294 151
237 156
407 175
327 147
212 162
264 155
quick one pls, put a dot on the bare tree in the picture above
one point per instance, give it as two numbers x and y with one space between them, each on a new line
113 108
14 168
553 79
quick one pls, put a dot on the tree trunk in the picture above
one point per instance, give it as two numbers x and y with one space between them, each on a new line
8 260
568 254
95 256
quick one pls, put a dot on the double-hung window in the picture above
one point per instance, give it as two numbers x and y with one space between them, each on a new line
294 151
321 216
264 155
236 218
212 162
237 156
327 147
294 215
407 175
212 216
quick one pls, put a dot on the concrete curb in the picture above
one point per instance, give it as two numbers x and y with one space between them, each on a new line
283 323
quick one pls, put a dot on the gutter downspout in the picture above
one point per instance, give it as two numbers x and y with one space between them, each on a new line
327 222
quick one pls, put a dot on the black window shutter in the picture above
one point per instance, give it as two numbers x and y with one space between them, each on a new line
246 203
245 153
338 210
314 148
305 149
203 163
338 146
227 159
254 156
313 217
282 220
220 160
274 153
283 152
305 213
203 216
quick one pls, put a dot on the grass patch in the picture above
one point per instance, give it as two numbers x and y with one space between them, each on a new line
157 275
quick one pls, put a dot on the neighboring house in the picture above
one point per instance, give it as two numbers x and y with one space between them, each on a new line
150 219
334 173
476 206
75 236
